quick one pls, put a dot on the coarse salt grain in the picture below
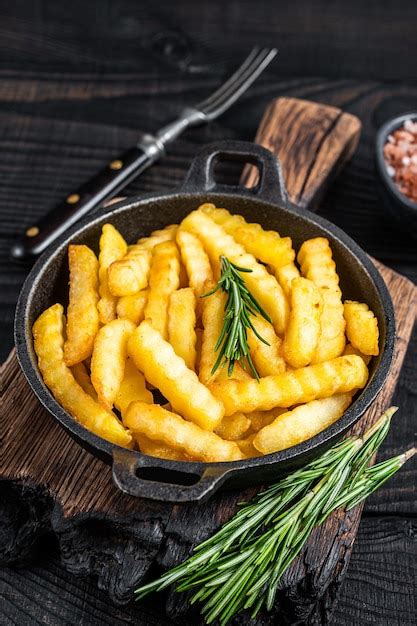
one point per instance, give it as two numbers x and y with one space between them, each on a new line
400 153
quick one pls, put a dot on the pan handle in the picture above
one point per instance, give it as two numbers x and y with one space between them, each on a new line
159 479
270 186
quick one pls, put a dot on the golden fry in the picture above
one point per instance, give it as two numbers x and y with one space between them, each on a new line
132 307
267 358
349 349
82 314
195 260
266 245
247 448
361 327
233 427
48 344
285 275
132 388
303 422
198 343
157 236
224 218
304 326
181 325
160 450
213 314
260 419
81 375
129 275
299 386
238 373
109 359
260 283
164 369
158 424
112 248
163 280
315 258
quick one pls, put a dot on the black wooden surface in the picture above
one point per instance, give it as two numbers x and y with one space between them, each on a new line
81 80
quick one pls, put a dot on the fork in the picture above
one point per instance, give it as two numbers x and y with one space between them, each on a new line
122 170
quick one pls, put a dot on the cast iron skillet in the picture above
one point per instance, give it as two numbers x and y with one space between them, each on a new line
47 283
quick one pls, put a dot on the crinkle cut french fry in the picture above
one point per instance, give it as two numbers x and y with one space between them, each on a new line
349 349
157 236
260 283
299 386
267 358
181 324
82 314
332 338
112 248
81 375
195 260
222 216
198 343
156 358
301 423
233 427
361 327
260 419
132 307
160 450
266 245
247 448
129 275
158 424
317 264
132 388
285 275
48 344
163 280
213 314
109 359
304 326
238 373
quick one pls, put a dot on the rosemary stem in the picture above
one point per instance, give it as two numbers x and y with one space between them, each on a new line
241 565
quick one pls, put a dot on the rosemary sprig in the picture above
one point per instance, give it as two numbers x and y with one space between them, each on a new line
232 343
240 566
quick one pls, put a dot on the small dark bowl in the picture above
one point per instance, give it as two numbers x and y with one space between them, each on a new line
395 202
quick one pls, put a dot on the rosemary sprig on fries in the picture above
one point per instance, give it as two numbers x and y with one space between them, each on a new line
232 343
240 566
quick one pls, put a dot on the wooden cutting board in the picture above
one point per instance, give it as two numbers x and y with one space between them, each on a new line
51 485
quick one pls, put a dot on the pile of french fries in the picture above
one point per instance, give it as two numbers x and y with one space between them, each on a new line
137 328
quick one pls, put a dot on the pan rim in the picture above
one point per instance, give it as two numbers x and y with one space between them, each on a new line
106 448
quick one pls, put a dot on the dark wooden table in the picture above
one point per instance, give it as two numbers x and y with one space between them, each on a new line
79 80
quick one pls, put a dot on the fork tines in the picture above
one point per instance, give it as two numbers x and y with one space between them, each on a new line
238 83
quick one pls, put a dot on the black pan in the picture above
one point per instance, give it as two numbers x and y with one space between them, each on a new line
47 283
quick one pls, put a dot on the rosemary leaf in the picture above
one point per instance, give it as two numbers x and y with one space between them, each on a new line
240 566
232 343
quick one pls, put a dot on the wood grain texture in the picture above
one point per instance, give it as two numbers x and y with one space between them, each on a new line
380 587
79 84
65 491
310 159
49 146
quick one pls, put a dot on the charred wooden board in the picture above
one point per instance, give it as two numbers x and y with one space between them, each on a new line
50 484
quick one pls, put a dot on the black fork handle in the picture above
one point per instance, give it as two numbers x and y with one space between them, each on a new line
101 187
